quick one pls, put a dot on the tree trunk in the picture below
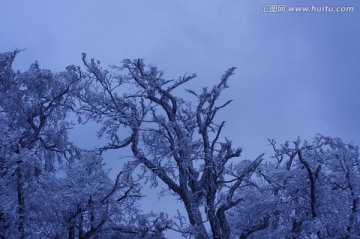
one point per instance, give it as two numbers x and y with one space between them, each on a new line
211 211
21 200
354 208
313 191
92 216
80 224
71 232
195 217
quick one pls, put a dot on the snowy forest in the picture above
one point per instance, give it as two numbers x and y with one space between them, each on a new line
52 188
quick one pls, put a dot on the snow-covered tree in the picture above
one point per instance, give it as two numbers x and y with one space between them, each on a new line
33 105
310 190
83 202
179 143
49 187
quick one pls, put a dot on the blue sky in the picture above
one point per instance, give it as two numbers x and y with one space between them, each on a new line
297 73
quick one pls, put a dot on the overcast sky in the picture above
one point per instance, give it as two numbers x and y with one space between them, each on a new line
297 73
